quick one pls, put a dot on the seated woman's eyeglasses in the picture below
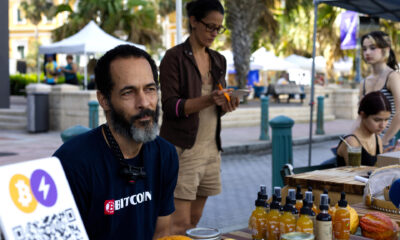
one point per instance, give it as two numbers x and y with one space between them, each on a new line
212 28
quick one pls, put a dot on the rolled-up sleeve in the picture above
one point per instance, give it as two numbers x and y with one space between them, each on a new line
171 99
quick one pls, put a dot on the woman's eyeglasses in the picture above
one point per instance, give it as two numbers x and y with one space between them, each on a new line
212 28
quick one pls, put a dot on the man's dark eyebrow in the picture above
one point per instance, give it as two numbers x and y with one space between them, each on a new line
135 88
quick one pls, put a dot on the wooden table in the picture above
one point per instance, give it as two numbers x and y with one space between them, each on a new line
362 209
335 180
244 234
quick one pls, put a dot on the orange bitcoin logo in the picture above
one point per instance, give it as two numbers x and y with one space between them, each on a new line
21 193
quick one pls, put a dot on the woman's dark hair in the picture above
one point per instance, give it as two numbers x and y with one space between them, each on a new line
201 8
102 72
373 103
382 40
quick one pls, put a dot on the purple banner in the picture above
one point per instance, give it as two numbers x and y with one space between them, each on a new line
348 30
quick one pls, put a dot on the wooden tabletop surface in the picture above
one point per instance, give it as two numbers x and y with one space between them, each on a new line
362 209
333 179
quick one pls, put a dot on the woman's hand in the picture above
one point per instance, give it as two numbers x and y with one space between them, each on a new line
220 99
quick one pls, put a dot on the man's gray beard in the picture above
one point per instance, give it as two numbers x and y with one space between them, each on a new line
146 134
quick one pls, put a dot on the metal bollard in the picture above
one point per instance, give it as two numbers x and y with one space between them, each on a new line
72 132
264 118
320 116
282 146
93 114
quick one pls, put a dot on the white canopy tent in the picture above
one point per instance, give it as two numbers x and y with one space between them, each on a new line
89 40
231 65
269 61
306 63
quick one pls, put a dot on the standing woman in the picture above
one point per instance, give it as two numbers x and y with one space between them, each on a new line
385 77
192 103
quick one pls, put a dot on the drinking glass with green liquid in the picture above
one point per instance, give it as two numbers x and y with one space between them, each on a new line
354 154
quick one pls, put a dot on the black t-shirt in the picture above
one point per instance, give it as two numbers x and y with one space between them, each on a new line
112 208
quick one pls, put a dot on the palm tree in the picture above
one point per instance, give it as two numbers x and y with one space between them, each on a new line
34 10
135 20
242 24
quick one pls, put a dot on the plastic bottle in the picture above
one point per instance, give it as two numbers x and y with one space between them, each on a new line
331 210
299 198
324 220
274 216
314 207
341 225
277 192
310 203
304 223
288 219
263 190
258 219
292 198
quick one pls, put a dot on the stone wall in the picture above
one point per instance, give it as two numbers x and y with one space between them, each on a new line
69 107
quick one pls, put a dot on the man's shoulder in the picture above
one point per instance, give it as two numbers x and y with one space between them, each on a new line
163 144
79 145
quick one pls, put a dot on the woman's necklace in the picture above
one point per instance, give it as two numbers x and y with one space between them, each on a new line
378 80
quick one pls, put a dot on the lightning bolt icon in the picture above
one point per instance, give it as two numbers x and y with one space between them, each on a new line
43 187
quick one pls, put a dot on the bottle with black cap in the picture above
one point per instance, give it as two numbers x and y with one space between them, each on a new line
314 207
258 220
299 198
274 215
341 225
323 228
292 196
331 210
264 195
277 192
310 203
304 223
288 219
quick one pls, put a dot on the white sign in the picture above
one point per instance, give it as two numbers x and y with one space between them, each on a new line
36 202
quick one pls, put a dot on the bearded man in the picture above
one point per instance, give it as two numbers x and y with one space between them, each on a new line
122 174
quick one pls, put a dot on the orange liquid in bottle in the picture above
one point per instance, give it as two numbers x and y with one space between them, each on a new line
341 226
274 224
258 223
299 204
287 223
305 224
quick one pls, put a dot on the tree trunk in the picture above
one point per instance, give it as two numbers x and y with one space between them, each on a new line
242 18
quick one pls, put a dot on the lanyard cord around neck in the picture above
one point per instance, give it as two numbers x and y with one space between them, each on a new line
129 172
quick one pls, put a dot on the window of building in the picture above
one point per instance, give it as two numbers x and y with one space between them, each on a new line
21 51
18 16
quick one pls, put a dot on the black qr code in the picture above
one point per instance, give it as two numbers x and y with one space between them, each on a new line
54 227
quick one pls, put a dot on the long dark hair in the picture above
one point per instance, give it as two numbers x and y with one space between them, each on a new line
382 40
200 9
373 103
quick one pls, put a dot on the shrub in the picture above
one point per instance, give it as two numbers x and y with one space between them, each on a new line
18 82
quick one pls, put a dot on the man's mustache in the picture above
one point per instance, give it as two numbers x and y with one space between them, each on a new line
144 113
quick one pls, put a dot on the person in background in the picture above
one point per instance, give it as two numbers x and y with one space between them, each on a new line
90 71
374 111
377 52
51 70
191 76
284 79
122 175
70 71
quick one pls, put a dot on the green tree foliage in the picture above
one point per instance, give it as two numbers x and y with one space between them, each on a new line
134 20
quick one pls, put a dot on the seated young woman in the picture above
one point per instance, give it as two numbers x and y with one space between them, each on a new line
374 111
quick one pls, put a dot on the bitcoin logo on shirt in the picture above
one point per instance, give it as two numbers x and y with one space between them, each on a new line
21 193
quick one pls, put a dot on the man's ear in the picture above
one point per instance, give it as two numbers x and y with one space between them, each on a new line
103 101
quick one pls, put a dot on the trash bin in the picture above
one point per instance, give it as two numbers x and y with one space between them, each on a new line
38 112
38 107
